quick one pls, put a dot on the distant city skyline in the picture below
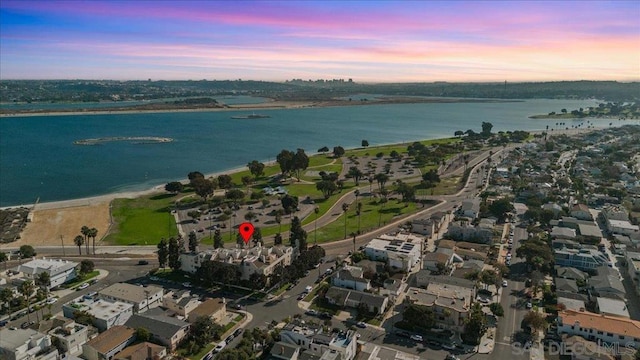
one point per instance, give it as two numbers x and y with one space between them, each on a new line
367 41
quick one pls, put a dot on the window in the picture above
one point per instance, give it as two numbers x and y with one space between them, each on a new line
609 334
600 333
620 337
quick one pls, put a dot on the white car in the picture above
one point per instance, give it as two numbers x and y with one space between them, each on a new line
504 283
415 337
529 305
83 286
219 347
308 289
52 301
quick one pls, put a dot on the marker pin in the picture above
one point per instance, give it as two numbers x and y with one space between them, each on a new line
246 230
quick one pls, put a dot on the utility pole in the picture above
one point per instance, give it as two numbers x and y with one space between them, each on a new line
62 241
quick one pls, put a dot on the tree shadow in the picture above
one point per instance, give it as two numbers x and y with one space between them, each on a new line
162 196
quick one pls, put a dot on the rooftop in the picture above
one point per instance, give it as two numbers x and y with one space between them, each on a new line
129 292
612 307
610 324
208 307
111 338
13 339
100 308
449 296
52 266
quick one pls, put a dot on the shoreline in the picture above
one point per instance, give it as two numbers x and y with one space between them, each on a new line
99 199
269 105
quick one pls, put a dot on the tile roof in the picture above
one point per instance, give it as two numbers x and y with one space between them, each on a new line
111 338
207 308
610 324
139 351
157 322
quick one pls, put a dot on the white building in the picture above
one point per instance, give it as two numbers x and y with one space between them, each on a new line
424 227
321 344
181 302
401 252
259 259
106 313
623 227
25 344
598 327
71 336
633 268
142 298
350 277
470 208
60 271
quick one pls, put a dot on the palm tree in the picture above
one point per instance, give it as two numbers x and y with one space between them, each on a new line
93 233
370 179
79 240
381 178
44 281
279 213
85 232
353 235
345 207
26 289
358 211
3 259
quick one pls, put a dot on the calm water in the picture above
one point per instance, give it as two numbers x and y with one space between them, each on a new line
38 157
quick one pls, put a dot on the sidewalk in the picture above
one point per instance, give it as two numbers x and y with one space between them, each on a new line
487 342
64 292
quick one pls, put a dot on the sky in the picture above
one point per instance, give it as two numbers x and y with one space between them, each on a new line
367 41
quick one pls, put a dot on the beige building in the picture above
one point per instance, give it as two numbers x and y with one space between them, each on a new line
216 309
451 304
256 260
142 298
71 336
181 302
106 345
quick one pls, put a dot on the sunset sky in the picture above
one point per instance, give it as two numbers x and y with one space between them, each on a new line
384 41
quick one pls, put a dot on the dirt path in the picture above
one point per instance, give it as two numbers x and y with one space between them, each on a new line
49 224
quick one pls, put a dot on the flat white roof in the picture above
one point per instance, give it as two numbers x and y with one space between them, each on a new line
53 266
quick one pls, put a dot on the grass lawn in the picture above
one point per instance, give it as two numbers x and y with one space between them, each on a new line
169 274
204 351
400 148
372 216
320 160
281 289
81 278
447 186
142 221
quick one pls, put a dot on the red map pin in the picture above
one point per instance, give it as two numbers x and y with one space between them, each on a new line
246 230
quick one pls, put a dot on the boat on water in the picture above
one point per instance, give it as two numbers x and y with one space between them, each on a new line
251 116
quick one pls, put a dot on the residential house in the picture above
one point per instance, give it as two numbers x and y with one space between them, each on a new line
571 304
401 252
320 345
579 348
451 304
214 308
256 260
424 227
581 259
432 261
599 327
581 212
590 232
464 231
25 344
633 268
560 244
570 273
375 304
554 208
438 218
623 227
60 271
614 212
106 313
181 302
612 307
470 208
167 330
284 351
566 285
607 283
71 336
142 351
563 233
468 267
350 277
106 345
142 298
423 278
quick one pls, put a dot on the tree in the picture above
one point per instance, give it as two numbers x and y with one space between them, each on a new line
256 168
536 252
431 176
83 317
500 208
234 194
365 143
407 191
6 296
86 266
174 254
203 187
163 253
195 175
419 316
257 235
496 309
327 188
300 162
3 259
458 133
345 208
323 150
26 289
297 235
204 330
285 161
85 232
535 320
475 325
278 219
277 239
143 334
174 187
225 181
356 174
217 239
43 280
338 151
382 179
193 242
289 203
486 128
27 251
93 233
79 241
490 277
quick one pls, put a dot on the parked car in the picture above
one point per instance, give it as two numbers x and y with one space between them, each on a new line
451 357
187 284
308 288
450 347
529 305
325 315
83 286
26 324
361 325
237 332
311 312
403 334
3 323
143 262
52 300
416 337
505 283
219 347
301 296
